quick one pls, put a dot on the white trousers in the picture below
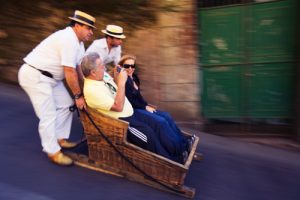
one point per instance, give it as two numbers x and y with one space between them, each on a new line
51 102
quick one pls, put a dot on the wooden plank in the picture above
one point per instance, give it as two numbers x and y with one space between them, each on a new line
103 157
83 161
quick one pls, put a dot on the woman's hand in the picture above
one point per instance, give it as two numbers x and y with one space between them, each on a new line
150 109
116 72
122 77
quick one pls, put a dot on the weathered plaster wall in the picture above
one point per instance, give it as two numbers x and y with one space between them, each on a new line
167 54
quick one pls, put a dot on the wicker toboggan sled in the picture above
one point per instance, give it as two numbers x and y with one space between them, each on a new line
103 157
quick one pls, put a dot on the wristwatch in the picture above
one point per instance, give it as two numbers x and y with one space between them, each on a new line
78 95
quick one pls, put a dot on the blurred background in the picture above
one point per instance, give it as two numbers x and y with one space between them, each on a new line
227 67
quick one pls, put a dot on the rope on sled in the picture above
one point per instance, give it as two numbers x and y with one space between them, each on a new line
127 159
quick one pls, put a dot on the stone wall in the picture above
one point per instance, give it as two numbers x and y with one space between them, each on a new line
167 56
161 33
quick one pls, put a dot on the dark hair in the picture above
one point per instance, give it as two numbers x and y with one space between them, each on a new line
72 23
109 36
136 79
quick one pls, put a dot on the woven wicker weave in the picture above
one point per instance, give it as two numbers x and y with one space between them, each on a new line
103 157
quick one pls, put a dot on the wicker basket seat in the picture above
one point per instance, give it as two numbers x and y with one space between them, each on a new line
102 157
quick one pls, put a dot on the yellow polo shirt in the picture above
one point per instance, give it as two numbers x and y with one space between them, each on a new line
101 97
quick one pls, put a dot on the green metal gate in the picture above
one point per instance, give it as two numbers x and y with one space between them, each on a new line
247 57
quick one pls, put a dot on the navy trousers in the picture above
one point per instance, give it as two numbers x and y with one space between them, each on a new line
142 135
166 130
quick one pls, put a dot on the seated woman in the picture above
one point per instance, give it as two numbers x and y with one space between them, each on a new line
151 114
109 98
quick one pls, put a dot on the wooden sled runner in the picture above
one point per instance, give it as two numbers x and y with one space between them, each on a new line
102 157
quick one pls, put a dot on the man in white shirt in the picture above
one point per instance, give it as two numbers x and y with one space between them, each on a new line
109 48
41 76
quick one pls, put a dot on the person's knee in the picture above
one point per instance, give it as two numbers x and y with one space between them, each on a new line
166 115
162 122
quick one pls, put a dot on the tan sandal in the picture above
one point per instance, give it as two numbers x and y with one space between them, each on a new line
60 159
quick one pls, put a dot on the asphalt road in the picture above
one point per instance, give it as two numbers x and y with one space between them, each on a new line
231 170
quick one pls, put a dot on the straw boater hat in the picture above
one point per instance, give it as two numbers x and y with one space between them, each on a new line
83 18
114 31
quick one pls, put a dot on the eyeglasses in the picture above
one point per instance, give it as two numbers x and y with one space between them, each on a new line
112 89
126 66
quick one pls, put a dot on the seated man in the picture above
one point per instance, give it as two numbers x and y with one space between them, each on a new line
109 98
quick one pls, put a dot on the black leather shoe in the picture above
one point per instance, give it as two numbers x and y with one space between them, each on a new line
189 144
184 157
193 137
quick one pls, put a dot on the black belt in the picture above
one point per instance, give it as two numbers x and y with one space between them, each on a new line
46 73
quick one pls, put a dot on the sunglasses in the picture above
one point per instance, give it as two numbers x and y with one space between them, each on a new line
126 66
